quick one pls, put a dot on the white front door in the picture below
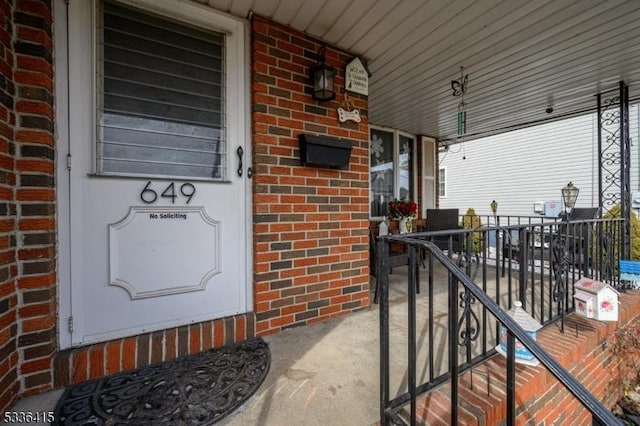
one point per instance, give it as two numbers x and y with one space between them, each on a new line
155 234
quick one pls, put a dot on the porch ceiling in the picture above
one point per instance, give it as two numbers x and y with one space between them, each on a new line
522 56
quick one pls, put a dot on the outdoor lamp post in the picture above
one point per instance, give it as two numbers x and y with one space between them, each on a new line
569 197
322 78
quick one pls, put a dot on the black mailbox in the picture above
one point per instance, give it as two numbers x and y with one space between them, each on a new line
324 151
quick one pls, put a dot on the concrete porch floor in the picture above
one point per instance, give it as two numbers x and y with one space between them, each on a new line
324 373
328 373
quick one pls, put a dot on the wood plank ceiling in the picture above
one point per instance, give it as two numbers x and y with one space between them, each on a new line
522 56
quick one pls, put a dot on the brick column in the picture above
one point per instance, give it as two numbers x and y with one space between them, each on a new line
35 193
9 385
310 223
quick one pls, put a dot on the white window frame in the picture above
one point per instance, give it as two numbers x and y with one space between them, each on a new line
414 161
444 184
429 170
235 62
396 164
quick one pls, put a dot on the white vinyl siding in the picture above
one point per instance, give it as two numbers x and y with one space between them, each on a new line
525 166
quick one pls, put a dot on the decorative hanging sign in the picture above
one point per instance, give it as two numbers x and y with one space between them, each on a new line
459 88
348 111
356 77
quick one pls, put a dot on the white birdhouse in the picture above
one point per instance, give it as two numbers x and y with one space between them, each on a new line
595 299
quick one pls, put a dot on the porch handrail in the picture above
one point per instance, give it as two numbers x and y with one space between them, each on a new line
600 413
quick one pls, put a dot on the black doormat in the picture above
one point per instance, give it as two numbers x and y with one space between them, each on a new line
197 389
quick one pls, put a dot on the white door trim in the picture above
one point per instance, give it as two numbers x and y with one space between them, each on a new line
62 174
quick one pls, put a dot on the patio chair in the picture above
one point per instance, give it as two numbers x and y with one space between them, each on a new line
443 220
581 240
396 258
447 220
570 247
510 248
584 213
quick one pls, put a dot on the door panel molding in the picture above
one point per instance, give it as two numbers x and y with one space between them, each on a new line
174 230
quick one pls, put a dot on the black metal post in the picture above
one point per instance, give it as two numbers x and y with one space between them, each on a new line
411 291
511 378
625 170
522 263
431 318
565 272
600 151
453 346
383 288
585 238
614 159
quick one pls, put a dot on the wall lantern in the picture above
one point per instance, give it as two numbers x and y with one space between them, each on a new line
494 207
569 196
322 78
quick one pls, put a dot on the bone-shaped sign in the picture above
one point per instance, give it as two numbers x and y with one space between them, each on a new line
344 115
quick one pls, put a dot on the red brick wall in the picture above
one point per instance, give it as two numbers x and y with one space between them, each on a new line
35 193
310 223
9 385
103 359
27 196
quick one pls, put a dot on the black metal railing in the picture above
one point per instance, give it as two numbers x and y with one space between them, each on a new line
535 263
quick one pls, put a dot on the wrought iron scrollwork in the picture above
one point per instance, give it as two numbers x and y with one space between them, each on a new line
560 266
614 158
607 244
468 324
610 159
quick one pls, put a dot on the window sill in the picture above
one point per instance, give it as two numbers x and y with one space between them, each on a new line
160 178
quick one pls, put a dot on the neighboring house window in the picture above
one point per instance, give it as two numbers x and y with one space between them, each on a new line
429 168
392 173
161 97
442 182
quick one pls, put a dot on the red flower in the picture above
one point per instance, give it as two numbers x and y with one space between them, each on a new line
403 208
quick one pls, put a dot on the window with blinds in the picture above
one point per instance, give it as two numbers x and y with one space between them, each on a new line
161 97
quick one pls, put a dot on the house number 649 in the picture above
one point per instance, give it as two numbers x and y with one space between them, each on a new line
150 196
